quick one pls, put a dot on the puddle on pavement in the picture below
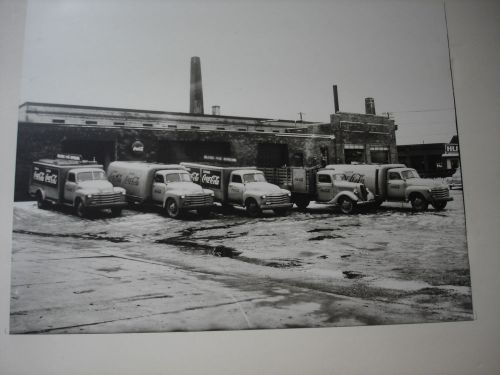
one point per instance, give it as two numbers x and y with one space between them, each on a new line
327 237
216 250
352 275
85 236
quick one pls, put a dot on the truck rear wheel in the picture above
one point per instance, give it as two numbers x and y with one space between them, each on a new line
418 203
347 205
301 202
80 208
204 212
40 202
253 208
172 208
438 206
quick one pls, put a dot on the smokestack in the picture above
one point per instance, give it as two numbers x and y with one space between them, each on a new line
216 110
335 98
196 91
369 106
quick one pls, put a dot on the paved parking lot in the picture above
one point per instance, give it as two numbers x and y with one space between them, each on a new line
143 272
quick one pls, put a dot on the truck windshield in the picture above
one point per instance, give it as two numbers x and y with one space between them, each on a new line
253 177
410 173
91 175
177 177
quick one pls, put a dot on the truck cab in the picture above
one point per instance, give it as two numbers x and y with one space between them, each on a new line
333 188
250 188
405 184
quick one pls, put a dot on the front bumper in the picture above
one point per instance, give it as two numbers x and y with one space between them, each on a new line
445 199
103 206
272 206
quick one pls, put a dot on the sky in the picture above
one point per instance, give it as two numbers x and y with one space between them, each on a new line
269 59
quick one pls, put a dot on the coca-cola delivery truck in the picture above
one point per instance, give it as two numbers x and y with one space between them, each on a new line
166 185
397 183
69 180
241 186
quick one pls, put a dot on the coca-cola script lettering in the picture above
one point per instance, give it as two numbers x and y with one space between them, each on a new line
45 175
210 179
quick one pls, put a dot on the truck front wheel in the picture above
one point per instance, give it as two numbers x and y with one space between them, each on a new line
347 205
418 203
253 208
80 208
172 208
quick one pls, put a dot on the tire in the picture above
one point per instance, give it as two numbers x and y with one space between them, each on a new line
439 206
204 212
301 202
253 208
80 208
172 208
419 203
281 211
40 202
347 206
117 211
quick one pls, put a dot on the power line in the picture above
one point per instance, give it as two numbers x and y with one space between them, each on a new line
424 110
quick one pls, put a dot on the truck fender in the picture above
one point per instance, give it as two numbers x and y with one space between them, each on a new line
40 191
167 196
348 194
424 191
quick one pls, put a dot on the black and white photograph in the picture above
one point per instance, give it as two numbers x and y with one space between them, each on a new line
218 166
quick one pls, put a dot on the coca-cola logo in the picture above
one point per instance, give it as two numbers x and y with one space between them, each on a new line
137 147
45 175
131 180
195 176
210 179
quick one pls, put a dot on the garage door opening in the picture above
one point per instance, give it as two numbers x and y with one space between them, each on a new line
272 155
102 151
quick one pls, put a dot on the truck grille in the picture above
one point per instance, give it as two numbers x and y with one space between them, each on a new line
104 199
440 193
278 199
198 200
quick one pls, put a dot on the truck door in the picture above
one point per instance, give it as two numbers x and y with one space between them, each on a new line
396 186
70 187
235 189
158 188
324 187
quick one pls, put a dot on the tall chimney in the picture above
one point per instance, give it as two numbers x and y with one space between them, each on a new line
196 91
369 106
335 98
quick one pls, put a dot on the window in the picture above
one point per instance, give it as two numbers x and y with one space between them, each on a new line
159 178
410 173
219 128
253 177
176 177
57 121
118 123
324 178
71 177
148 125
242 130
91 122
339 177
194 127
172 126
394 176
259 130
236 178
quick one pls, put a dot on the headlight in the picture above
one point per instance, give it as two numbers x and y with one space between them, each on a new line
289 194
263 196
355 192
183 196
89 195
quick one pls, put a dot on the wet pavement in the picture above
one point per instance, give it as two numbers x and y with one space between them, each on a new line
144 272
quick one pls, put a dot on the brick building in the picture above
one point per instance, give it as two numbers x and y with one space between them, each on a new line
107 134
